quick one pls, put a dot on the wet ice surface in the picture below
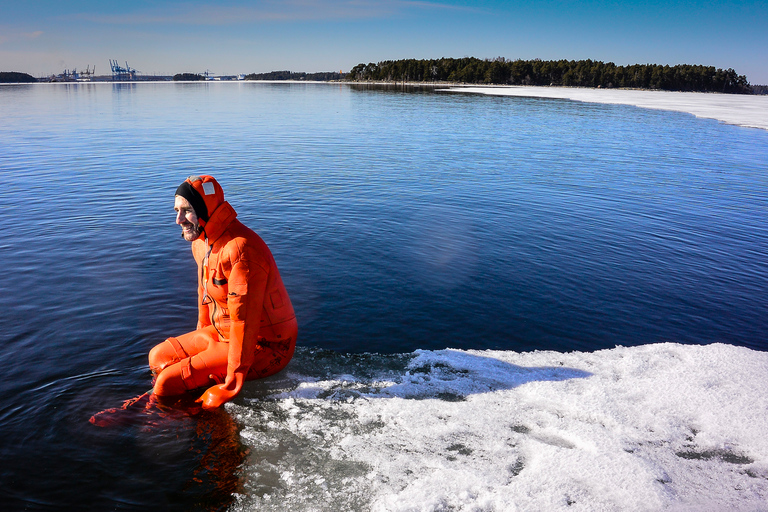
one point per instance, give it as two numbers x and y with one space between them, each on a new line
655 427
739 109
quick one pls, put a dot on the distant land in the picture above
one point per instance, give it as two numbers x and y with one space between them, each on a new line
288 75
566 73
12 77
327 76
498 71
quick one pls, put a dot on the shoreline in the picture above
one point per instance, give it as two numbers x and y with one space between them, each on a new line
748 111
745 110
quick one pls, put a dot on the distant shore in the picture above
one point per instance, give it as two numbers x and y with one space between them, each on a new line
746 110
750 111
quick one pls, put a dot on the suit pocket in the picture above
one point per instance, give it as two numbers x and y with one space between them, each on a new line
277 299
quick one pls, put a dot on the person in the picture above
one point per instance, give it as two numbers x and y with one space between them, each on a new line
246 326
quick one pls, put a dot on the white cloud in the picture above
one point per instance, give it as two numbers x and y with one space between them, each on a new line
11 36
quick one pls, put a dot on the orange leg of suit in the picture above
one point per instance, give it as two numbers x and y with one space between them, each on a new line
198 359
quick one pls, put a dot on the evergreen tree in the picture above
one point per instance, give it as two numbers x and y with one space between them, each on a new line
582 73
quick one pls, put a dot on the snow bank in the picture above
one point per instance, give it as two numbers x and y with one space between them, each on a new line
657 427
743 110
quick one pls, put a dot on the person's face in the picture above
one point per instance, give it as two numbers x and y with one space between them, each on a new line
187 219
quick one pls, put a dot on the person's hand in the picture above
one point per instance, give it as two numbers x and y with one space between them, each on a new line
216 396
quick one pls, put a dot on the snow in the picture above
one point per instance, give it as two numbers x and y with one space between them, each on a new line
655 427
744 110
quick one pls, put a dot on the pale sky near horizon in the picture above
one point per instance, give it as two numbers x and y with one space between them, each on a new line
239 36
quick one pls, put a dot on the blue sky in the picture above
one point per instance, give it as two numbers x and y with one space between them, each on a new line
238 36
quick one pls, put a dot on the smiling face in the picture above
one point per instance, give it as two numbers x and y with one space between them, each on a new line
187 219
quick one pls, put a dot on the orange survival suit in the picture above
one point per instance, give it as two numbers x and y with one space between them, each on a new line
246 326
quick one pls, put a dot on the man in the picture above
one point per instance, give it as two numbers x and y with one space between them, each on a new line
246 327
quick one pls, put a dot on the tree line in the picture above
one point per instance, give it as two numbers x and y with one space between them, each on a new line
569 73
290 75
13 77
188 77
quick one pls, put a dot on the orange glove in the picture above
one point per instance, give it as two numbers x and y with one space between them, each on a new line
216 396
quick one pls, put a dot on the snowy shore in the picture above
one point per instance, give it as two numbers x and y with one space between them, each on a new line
743 110
648 428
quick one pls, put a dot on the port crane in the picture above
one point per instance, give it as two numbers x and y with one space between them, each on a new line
120 73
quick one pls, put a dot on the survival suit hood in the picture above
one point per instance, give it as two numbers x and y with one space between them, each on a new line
204 194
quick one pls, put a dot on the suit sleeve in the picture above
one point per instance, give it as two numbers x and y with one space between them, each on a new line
247 287
245 301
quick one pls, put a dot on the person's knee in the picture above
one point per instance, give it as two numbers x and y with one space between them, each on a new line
156 358
185 375
165 354
169 384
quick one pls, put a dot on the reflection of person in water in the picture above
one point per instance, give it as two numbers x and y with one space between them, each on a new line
219 458
246 326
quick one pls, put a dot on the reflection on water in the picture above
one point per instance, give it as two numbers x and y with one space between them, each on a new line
149 460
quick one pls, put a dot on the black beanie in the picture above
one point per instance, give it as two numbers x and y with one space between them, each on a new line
188 192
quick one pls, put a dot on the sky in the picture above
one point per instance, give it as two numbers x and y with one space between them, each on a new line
239 36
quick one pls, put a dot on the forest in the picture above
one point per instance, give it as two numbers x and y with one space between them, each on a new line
290 75
188 77
12 77
569 73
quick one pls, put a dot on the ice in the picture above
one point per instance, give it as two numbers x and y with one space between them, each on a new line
655 427
739 109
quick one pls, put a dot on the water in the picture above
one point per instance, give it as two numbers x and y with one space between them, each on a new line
400 219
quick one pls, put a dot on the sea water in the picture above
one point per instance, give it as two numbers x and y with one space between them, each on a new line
505 303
